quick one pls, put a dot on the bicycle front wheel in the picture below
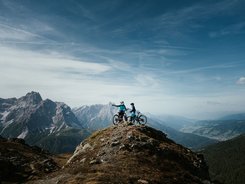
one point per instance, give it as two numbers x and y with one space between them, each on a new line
115 119
142 119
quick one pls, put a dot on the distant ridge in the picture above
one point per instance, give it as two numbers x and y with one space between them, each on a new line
217 129
226 160
240 116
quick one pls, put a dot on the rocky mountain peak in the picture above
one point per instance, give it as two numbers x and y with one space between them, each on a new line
40 122
132 154
31 98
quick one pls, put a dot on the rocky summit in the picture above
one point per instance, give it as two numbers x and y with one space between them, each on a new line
131 154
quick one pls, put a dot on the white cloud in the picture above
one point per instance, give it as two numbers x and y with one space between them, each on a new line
27 34
119 65
11 33
22 71
147 81
36 62
205 68
241 81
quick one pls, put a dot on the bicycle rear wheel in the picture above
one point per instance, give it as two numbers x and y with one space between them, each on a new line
142 119
115 119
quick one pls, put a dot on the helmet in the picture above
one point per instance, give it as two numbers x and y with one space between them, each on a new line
132 104
122 102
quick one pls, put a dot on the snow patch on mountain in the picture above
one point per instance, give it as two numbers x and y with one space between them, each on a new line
5 125
23 134
4 115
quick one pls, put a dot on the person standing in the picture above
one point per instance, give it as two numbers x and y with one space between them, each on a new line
122 109
133 112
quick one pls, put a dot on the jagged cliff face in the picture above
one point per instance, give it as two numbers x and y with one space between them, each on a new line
40 122
131 154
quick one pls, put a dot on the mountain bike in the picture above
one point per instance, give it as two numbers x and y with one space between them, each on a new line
119 118
139 118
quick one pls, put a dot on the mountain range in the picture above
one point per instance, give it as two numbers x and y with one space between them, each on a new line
58 128
239 116
50 125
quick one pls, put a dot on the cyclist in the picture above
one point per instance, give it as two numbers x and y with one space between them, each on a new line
122 109
133 111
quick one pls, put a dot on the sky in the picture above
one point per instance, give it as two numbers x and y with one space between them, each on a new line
181 57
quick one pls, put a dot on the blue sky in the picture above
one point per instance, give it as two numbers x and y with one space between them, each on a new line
183 57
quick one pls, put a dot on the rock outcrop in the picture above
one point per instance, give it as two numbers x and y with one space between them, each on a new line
20 162
131 154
